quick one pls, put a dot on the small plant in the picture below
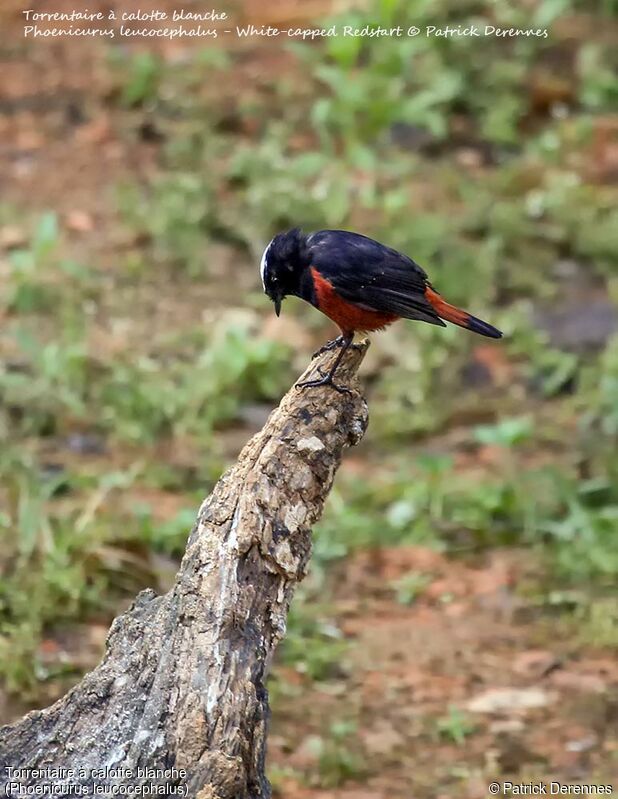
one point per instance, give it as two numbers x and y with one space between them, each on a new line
142 73
175 215
53 574
410 586
597 622
39 279
505 433
314 645
455 727
338 759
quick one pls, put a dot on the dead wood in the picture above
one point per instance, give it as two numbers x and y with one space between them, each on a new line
181 684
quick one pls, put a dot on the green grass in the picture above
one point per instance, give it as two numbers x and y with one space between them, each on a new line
455 727
456 161
71 538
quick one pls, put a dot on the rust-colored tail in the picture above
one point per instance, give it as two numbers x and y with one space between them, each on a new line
458 317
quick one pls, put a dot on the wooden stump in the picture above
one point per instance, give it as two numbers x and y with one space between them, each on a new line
179 699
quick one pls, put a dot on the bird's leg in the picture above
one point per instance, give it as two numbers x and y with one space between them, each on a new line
327 380
330 345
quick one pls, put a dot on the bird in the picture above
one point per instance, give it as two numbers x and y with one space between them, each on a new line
358 283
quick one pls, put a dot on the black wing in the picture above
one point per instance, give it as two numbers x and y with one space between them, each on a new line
371 275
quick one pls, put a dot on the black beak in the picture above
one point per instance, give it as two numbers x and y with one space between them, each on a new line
277 302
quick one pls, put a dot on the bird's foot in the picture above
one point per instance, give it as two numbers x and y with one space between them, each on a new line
324 380
332 345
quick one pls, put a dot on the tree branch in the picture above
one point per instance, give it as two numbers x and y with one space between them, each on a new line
181 685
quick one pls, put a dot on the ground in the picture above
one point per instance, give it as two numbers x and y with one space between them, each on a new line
459 621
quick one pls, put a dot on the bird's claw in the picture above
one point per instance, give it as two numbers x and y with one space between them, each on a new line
332 345
325 380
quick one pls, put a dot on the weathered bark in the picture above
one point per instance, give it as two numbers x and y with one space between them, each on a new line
181 684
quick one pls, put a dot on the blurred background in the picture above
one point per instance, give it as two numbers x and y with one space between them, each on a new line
460 620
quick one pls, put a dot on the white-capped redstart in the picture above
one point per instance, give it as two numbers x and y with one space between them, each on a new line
357 282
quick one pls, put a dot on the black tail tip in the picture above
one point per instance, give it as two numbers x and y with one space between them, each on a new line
482 328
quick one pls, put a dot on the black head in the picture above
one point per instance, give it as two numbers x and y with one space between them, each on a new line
282 266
